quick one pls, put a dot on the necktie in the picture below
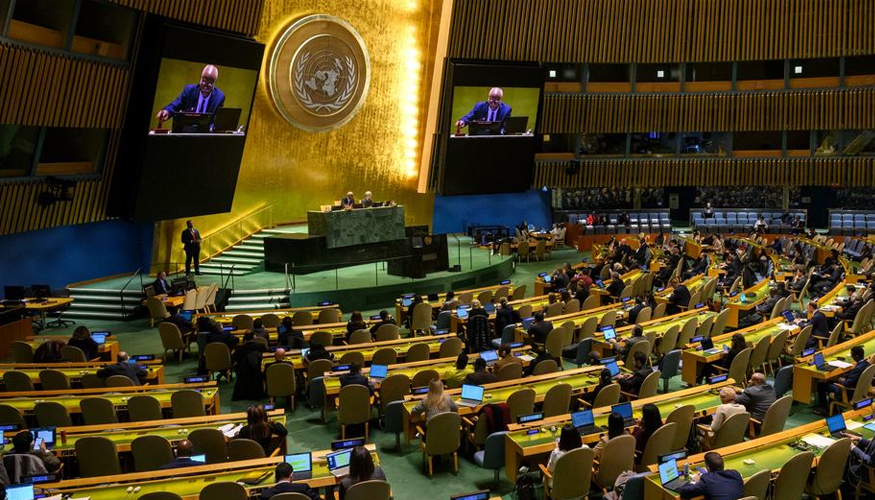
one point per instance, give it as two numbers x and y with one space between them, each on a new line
203 106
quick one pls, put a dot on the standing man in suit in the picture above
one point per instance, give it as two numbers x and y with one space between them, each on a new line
202 97
490 110
717 483
191 242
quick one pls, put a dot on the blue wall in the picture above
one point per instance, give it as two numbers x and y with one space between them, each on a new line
452 214
63 255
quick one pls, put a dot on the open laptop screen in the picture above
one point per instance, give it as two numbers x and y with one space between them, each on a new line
300 462
835 423
582 418
19 492
489 356
472 392
623 409
668 471
379 371
338 460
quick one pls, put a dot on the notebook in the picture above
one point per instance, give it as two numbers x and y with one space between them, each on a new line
836 426
625 411
338 462
584 422
490 357
490 307
302 465
378 372
472 395
669 475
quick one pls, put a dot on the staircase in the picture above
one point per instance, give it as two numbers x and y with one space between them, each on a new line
241 300
246 257
103 303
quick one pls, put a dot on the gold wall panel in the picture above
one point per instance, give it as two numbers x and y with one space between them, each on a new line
241 16
378 150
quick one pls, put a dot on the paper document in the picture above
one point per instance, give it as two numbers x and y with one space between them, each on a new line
853 424
817 440
526 357
231 431
839 364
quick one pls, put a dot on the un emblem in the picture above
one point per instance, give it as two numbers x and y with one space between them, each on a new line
319 73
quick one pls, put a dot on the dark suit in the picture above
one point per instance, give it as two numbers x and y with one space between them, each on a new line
481 112
819 328
133 371
848 380
616 288
160 286
540 331
480 378
633 384
179 463
188 100
191 243
289 488
680 296
355 379
720 485
346 202
757 399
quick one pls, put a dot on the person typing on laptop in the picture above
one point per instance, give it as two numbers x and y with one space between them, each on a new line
355 377
637 336
715 484
631 382
183 456
284 484
361 468
435 402
847 381
481 375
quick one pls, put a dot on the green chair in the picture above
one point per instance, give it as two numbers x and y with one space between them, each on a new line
218 359
418 352
683 417
17 381
209 442
187 403
97 411
362 336
54 380
73 354
450 348
119 381
244 449
521 402
571 477
827 478
171 340
97 456
757 485
775 417
424 377
442 438
384 356
22 352
354 408
144 408
369 490
51 413
223 491
326 339
617 457
151 452
281 383
512 371
557 400
10 415
660 443
92 381
793 477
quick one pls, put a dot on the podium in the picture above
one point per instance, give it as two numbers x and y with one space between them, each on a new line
343 228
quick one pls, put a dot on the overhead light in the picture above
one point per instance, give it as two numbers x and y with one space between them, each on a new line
552 73
797 70
660 74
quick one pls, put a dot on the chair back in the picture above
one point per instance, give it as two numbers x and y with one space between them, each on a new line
659 311
97 456
557 340
190 300
328 316
387 332
642 346
521 402
269 320
554 309
732 431
280 380
649 385
10 415
608 396
519 292
225 490
588 328
54 380
618 456
218 357
443 435
97 411
590 302
557 400
302 318
73 354
354 405
51 413
362 336
830 469
669 340
758 355
687 332
22 352
150 453
660 443
485 297
584 347
210 303
187 403
244 449
572 306
525 311
393 388
351 357
683 417
369 490
670 364
421 320
508 334
705 327
92 381
572 475
450 348
783 380
119 381
834 334
738 367
609 319
757 486
417 352
209 442
144 408
157 309
501 292
465 297
316 394
644 315
776 416
424 377
493 451
545 367
443 320
720 323
384 356
864 384
793 476
800 342
326 339
510 371
200 301
317 368
171 337
160 495
16 381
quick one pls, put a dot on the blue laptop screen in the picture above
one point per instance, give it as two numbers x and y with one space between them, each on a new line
490 307
527 322
100 338
489 356
614 369
609 332
818 359
835 423
480 495
379 371
623 409
788 315
582 418
300 462
472 392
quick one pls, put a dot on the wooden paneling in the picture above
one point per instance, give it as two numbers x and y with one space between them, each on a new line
240 16
717 112
660 30
848 172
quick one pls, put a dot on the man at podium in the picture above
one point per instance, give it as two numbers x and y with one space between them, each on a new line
203 97
491 110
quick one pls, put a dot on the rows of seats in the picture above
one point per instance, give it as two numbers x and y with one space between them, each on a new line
742 220
639 222
851 222
853 247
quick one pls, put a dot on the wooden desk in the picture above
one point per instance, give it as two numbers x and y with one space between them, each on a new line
521 445
753 297
225 318
75 371
436 305
12 328
578 318
108 350
694 283
806 376
654 328
537 302
602 293
43 306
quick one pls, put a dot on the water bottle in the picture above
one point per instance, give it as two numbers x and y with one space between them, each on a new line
687 471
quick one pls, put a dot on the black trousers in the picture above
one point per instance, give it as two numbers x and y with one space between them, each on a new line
192 254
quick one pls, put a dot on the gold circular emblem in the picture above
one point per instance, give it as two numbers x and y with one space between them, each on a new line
319 73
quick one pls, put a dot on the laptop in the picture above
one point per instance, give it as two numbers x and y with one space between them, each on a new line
516 125
484 128
226 119
490 357
584 422
191 123
820 364
406 302
788 315
625 411
490 308
201 459
378 372
669 475
43 435
527 322
302 465
13 293
19 492
433 297
613 368
338 462
476 495
548 278
343 444
676 455
609 332
836 426
472 395
100 338
600 283
186 315
462 312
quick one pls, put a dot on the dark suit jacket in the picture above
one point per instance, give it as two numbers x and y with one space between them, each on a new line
161 286
179 463
819 325
480 378
359 379
851 377
289 488
188 241
187 100
720 485
679 297
346 201
131 370
757 399
616 287
540 331
480 112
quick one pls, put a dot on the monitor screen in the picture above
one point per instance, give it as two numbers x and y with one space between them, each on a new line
472 392
100 338
300 462
406 302
582 418
379 371
623 409
609 332
548 278
340 368
809 351
613 368
199 458
818 359
490 307
462 311
788 315
489 356
19 492
196 380
338 459
668 471
531 417
14 292
863 403
675 455
718 379
835 423
505 282
305 351
186 315
419 390
527 322
43 434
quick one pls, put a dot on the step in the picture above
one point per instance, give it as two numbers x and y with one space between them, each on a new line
261 298
251 244
262 291
216 272
235 252
131 290
81 306
279 230
94 315
257 305
226 266
236 260
109 299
